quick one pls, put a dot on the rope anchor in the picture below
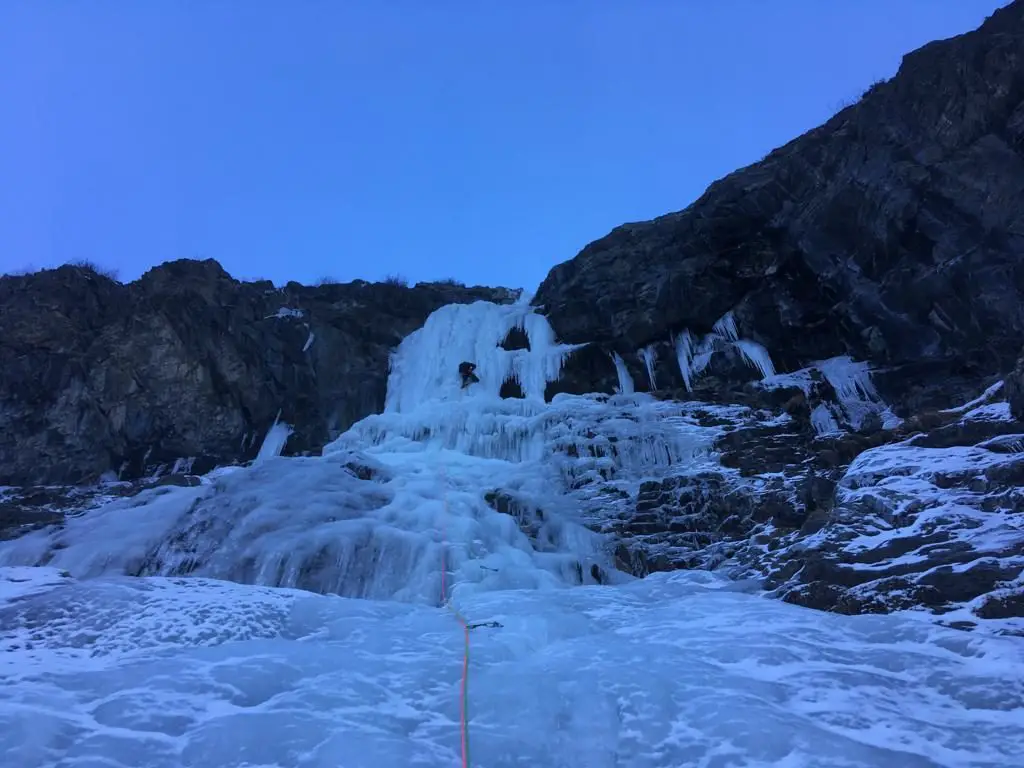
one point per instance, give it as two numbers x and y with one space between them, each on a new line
491 624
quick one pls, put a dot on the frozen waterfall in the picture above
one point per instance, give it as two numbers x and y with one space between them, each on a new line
487 479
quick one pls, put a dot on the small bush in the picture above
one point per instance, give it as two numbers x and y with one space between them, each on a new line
327 281
396 280
873 87
96 269
452 281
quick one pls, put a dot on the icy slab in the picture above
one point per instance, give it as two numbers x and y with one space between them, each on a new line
659 673
990 412
20 581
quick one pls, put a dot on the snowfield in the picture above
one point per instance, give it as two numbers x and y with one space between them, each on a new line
296 613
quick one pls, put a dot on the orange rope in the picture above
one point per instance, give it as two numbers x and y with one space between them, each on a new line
463 725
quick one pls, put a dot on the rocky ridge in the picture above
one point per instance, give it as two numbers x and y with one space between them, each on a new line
187 368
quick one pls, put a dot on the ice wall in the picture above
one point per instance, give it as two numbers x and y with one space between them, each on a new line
461 476
424 368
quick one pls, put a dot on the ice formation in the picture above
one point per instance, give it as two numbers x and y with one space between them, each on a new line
855 392
422 369
274 441
626 386
694 355
649 356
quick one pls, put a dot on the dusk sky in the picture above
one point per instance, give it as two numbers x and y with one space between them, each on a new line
484 141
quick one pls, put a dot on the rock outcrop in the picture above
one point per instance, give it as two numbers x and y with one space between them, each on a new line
925 515
186 367
1015 389
892 233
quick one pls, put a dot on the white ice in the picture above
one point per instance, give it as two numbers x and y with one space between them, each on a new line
181 627
405 490
674 670
625 386
274 441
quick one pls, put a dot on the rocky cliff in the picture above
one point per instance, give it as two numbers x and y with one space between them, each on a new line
893 233
187 365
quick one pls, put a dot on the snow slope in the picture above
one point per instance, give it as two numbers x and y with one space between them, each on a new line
221 652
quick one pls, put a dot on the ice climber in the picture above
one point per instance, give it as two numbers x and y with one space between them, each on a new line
466 372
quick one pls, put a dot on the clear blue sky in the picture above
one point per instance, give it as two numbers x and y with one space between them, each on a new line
484 141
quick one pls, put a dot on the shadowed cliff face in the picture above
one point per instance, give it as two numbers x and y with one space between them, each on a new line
187 362
893 233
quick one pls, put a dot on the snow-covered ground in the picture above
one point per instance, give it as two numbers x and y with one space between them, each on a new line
182 626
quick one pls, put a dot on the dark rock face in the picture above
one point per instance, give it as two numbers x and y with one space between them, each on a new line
188 363
890 233
1015 389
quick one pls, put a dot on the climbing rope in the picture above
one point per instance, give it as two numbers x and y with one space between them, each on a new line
463 723
466 627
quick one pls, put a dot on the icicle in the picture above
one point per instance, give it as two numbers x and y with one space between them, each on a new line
684 354
625 380
757 356
274 441
650 358
726 327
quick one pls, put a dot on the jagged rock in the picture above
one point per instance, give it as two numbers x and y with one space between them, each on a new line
889 233
515 339
188 363
511 388
1015 389
587 369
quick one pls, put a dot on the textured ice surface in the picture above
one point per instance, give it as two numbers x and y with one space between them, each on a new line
674 670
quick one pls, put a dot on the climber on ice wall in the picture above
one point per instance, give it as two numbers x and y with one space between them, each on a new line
466 372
